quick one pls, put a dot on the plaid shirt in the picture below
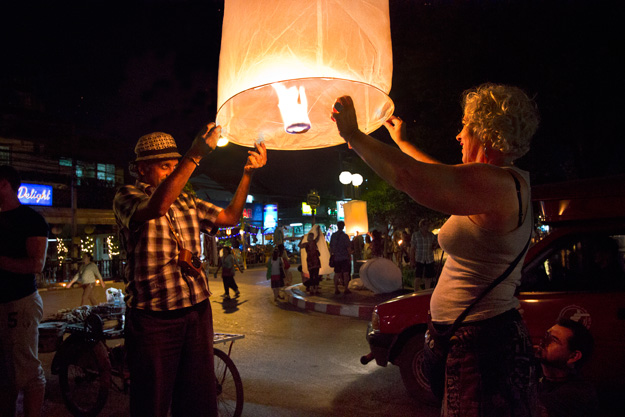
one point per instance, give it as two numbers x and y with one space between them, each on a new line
155 281
423 247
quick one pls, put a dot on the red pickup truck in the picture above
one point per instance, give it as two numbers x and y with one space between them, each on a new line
574 269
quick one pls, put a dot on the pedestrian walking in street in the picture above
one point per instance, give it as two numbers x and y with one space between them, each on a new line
88 276
227 274
169 323
23 247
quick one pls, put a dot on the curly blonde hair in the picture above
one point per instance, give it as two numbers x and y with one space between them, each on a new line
501 116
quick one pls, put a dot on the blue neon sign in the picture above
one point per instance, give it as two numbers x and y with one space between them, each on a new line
35 194
271 217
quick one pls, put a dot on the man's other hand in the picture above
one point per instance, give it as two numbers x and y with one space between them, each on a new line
257 158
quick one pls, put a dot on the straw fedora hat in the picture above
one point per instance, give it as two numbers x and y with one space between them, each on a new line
156 145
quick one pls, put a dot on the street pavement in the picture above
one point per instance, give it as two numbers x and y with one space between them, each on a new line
359 303
312 356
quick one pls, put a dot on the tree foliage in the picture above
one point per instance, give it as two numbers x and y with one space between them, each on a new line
390 208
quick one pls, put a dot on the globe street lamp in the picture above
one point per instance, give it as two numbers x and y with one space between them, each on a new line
346 178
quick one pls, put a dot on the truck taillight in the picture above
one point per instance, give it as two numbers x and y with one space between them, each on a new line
375 320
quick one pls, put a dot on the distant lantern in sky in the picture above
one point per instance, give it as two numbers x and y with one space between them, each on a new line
283 63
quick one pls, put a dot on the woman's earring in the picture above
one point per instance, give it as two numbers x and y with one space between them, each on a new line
485 153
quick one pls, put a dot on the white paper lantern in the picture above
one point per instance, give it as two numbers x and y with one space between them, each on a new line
381 275
356 219
310 51
324 253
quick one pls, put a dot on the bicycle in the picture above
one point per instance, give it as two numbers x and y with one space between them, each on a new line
88 367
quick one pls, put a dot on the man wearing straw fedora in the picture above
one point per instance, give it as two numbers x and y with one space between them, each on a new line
169 329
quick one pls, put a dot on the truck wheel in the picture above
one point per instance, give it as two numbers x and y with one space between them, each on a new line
409 362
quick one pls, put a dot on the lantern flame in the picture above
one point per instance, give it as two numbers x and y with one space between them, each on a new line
293 106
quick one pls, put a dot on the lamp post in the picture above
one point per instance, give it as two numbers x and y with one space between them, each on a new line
346 178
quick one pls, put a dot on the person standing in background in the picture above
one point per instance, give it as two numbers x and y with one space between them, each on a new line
288 277
23 247
278 238
313 262
340 248
358 247
227 274
389 250
275 272
366 252
423 242
377 244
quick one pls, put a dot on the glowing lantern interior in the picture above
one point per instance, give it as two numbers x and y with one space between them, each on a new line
356 217
312 52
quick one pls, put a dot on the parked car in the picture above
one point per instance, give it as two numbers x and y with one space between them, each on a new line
573 269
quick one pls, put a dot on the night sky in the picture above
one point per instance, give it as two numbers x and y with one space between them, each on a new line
117 70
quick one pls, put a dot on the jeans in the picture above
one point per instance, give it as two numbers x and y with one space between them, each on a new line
170 355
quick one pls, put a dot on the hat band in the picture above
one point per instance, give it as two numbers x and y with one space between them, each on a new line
153 152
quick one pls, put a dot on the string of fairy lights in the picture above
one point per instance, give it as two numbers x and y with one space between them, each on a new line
112 245
87 244
61 250
230 232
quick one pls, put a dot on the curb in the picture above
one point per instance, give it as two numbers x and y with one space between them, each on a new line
296 298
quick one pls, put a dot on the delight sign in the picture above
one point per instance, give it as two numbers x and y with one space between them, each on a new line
35 194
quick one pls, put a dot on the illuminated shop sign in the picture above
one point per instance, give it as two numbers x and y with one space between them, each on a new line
35 194
271 217
340 214
257 212
306 210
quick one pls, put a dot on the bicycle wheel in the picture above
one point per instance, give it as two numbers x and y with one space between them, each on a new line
85 380
229 386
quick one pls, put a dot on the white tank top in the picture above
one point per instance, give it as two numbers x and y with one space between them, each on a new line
475 258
